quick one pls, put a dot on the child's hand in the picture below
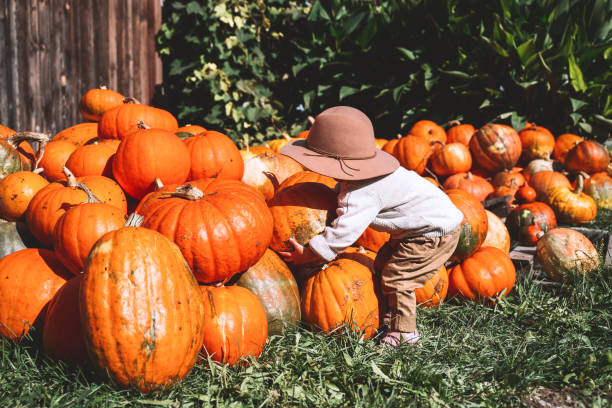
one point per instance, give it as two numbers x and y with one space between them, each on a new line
299 255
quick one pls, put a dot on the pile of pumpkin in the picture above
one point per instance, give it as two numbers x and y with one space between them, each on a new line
194 268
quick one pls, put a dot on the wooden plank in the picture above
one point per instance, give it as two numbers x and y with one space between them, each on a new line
523 253
4 65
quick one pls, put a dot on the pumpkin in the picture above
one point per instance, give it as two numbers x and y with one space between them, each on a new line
301 211
563 144
252 151
372 239
451 158
527 220
496 147
474 226
276 144
96 101
222 227
497 233
21 143
342 292
6 131
508 178
10 160
459 132
266 171
62 335
470 183
487 274
545 180
15 236
572 206
78 135
429 130
389 147
141 309
189 130
29 278
588 156
434 291
52 201
598 186
307 176
538 165
235 324
213 154
107 190
537 142
380 143
562 251
146 155
93 159
526 194
505 191
123 120
78 229
16 191
53 159
413 152
273 283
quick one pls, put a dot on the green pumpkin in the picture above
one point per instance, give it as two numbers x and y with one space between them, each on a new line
273 283
15 236
10 160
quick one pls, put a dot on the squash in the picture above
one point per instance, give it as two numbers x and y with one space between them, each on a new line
496 147
474 227
562 251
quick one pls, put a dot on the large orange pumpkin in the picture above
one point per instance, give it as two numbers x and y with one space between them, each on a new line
146 155
213 154
221 226
235 324
562 251
470 183
588 156
497 233
451 158
563 144
273 283
496 147
474 226
141 309
572 205
545 180
598 186
527 220
267 171
413 152
487 273
372 239
29 278
307 176
96 101
79 134
16 192
93 159
121 121
54 157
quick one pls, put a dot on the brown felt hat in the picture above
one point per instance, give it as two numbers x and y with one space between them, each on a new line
341 145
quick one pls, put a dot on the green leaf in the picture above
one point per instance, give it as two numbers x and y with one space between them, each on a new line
576 75
603 120
366 34
346 91
576 104
194 7
456 74
379 372
526 50
353 22
407 53
317 12
397 92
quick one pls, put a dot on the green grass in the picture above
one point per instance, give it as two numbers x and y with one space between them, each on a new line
541 343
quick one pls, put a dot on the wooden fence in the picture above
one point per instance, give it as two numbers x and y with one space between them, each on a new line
53 51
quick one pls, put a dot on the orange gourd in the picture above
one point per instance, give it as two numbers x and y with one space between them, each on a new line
563 144
78 135
435 289
497 233
16 192
588 156
451 158
54 157
460 132
413 152
537 142
572 206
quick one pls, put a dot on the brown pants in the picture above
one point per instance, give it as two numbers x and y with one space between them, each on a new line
406 265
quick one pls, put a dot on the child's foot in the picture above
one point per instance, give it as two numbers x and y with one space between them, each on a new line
394 339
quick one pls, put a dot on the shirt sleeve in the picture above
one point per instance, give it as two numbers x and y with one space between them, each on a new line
356 211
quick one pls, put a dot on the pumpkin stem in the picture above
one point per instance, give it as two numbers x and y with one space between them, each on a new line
469 175
19 137
91 197
433 143
186 191
286 136
142 125
398 136
72 181
432 174
311 120
134 220
453 123
38 170
102 86
130 99
273 179
158 183
579 184
539 234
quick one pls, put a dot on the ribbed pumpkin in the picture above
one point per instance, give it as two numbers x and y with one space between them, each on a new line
96 101
537 142
213 154
93 159
307 177
496 147
470 183
545 180
16 191
141 309
29 278
598 186
497 233
474 226
273 283
413 152
459 132
235 324
451 158
62 333
78 229
121 121
79 134
434 291
487 273
107 190
54 157
389 147
266 171
588 156
277 144
52 201
301 211
428 129
527 220
562 251
372 239
252 151
563 144
221 226
508 178
342 292
15 236
146 155
572 205
6 131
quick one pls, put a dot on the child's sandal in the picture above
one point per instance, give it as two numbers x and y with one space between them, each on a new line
394 339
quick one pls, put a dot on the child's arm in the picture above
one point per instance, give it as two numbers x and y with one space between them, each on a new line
300 254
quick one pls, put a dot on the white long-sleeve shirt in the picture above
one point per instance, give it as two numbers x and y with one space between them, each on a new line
401 203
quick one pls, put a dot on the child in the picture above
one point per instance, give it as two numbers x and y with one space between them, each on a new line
375 191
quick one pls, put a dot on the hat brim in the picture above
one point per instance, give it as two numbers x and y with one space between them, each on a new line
381 164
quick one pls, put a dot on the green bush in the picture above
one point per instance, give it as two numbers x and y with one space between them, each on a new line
258 69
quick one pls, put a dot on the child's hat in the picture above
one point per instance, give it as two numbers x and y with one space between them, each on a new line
341 145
